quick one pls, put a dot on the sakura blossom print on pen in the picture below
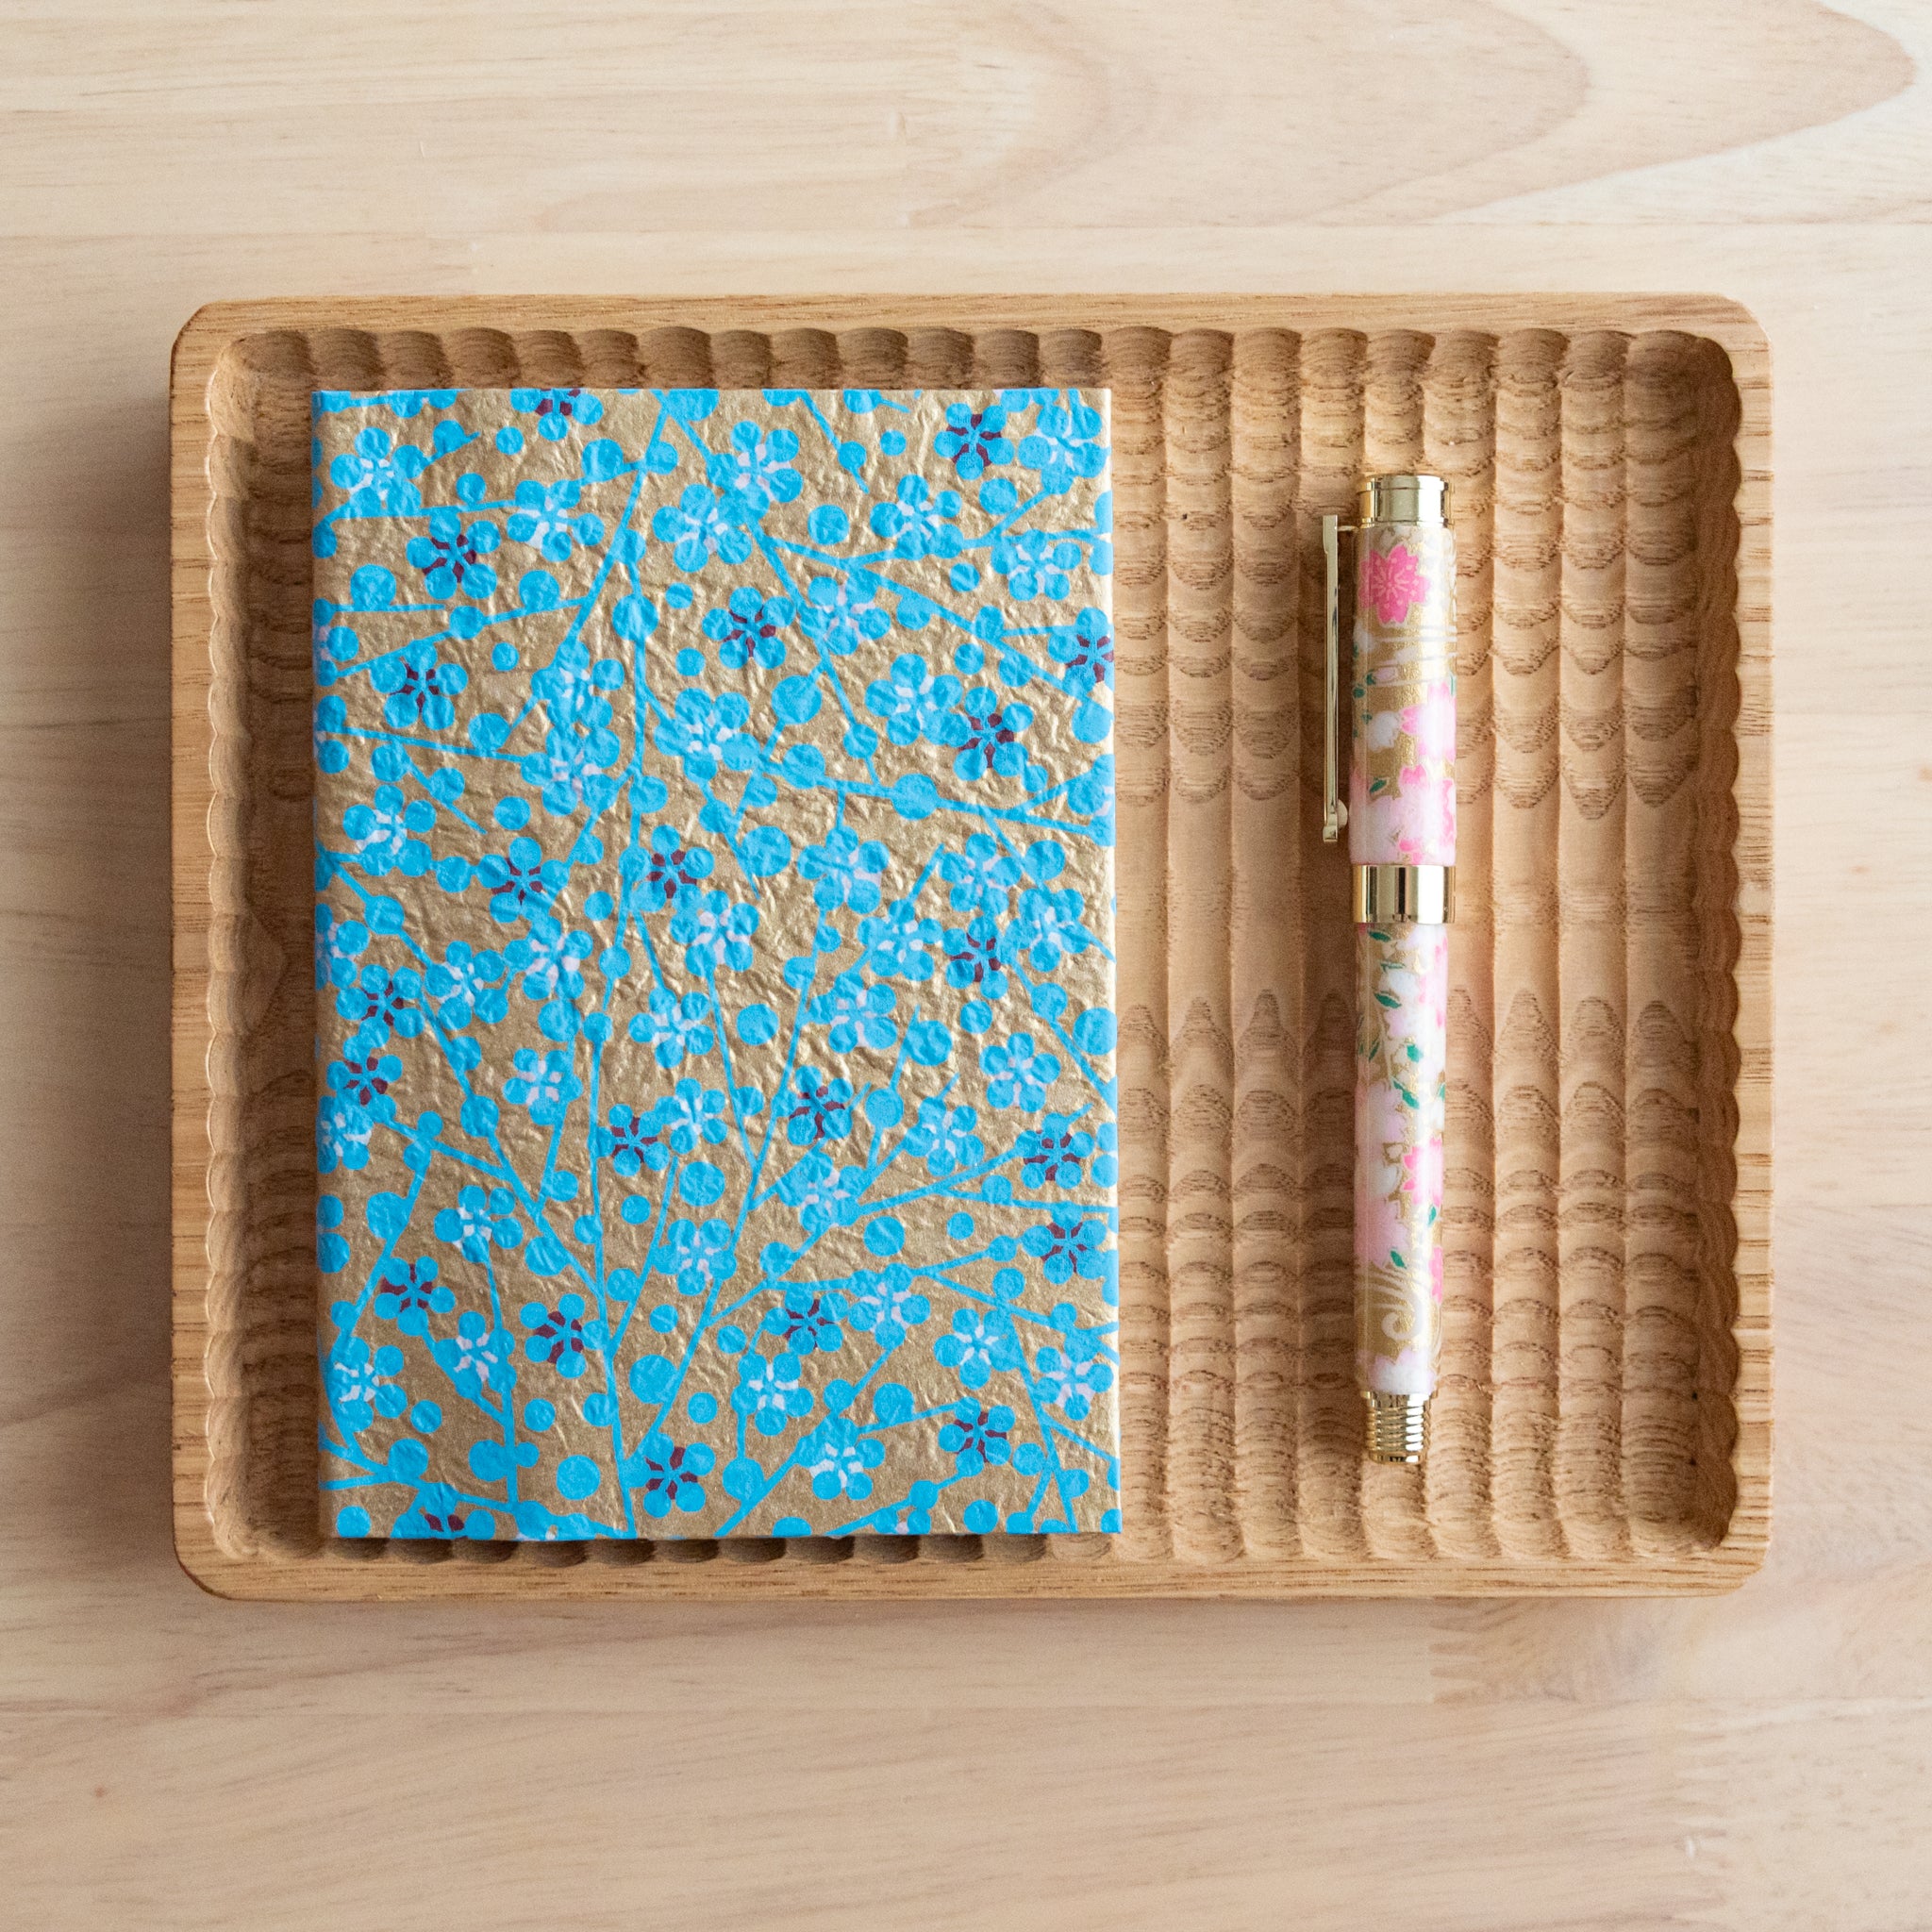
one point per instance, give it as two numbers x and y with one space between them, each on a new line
714 963
1400 819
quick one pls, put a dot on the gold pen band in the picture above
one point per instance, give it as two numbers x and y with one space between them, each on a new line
1406 497
1398 1428
1416 894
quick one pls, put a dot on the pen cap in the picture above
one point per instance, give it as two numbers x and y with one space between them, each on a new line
1402 677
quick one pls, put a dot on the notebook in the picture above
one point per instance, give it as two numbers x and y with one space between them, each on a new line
714 960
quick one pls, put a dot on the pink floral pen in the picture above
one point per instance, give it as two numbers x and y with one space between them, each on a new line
1401 820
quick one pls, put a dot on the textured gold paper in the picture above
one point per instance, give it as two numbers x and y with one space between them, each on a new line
636 713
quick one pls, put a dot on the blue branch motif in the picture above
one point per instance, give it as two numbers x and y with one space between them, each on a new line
714 922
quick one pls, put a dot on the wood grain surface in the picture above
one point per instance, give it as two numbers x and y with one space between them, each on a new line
1754 1761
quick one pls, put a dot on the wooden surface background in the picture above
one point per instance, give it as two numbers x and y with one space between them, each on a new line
166 1760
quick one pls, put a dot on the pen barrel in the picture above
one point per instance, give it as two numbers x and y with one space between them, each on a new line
1401 840
1400 1098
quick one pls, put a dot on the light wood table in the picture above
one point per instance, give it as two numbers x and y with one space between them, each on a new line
166 1760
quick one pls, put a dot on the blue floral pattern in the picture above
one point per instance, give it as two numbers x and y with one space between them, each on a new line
714 926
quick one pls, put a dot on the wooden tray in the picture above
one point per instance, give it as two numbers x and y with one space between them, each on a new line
1604 1424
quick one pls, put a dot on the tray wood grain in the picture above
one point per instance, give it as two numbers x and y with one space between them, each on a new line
1605 1424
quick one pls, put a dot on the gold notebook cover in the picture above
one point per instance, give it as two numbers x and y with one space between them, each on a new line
714 937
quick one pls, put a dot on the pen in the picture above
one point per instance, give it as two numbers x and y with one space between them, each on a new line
1400 818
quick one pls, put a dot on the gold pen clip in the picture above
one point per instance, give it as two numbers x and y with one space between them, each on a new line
1334 813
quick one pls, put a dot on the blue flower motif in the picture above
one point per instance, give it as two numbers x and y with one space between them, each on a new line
1106 1166
715 932
981 1346
670 867
1092 794
1017 1074
1070 1383
385 833
332 644
546 958
985 735
855 1012
379 1004
331 717
420 688
555 409
750 629
480 1217
820 1110
813 1190
770 1391
912 1517
478 1356
974 959
410 403
756 471
672 1027
379 476
698 527
698 1256
1051 1155
520 879
898 942
361 1382
887 1305
450 555
467 984
839 1459
365 1077
342 1130
690 1116
840 614
439 1510
913 699
331 1249
845 869
1084 649
339 944
944 1140
848 1194
973 441
1048 927
920 523
806 1320
670 1476
1034 563
980 876
572 691
632 1140
704 732
1068 1244
543 1085
546 517
1062 447
411 1293
562 1336
568 771
976 1436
